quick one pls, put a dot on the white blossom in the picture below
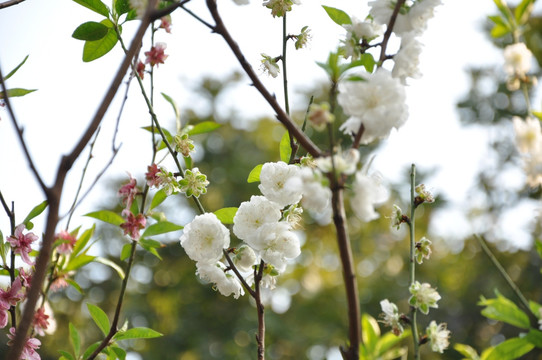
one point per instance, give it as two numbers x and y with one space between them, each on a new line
423 250
226 283
241 2
269 65
345 162
277 244
528 134
391 316
273 183
280 7
407 60
378 103
367 29
421 12
253 214
316 197
413 18
204 238
438 336
368 193
517 59
245 258
423 297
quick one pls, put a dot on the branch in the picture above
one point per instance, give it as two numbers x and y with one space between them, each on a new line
389 30
220 29
54 194
9 3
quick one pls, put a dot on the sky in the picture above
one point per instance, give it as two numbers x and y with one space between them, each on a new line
69 90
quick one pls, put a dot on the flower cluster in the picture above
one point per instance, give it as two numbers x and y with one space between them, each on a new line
518 60
280 7
21 243
529 143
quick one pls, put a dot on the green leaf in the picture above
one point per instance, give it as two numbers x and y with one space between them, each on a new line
75 286
167 134
137 333
151 245
120 353
534 337
65 355
254 175
38 209
91 349
504 310
16 68
538 245
95 5
158 198
79 261
121 6
125 252
90 31
107 216
83 240
204 127
535 307
285 149
98 48
161 227
75 340
499 31
370 332
99 317
188 162
16 92
467 351
338 16
226 215
510 349
388 341
523 11
175 110
111 264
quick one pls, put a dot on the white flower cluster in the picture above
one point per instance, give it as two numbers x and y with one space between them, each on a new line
410 23
529 143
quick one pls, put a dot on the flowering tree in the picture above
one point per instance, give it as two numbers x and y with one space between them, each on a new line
245 250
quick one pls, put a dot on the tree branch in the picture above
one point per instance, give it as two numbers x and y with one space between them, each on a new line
9 3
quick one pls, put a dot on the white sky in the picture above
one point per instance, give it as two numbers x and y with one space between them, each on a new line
70 90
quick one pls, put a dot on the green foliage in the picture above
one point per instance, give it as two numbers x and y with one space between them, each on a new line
226 215
37 210
137 333
151 245
12 72
95 5
503 309
158 198
176 110
121 6
338 16
16 92
254 175
467 351
75 340
93 50
111 264
509 350
100 318
107 216
285 150
90 31
203 127
161 227
376 346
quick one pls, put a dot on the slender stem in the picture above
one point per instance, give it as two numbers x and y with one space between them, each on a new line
412 260
389 30
9 3
260 337
523 301
284 67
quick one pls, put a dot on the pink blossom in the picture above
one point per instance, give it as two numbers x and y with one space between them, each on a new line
152 175
4 315
26 277
165 23
133 224
41 321
156 55
29 350
140 69
12 295
66 242
128 192
21 243
59 282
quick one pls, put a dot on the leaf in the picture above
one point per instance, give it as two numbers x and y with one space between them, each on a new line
175 110
137 333
12 72
388 341
504 310
90 31
121 6
535 307
125 252
107 216
167 134
75 340
161 227
370 332
65 355
151 245
338 16
534 337
96 49
99 317
510 349
83 240
38 209
111 264
79 261
204 127
120 353
254 175
523 11
226 215
285 149
467 351
158 198
16 92
91 349
499 31
95 5
75 286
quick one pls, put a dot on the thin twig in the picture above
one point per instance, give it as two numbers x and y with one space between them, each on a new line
9 3
412 260
281 115
389 30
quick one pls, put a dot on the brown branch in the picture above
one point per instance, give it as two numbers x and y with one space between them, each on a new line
54 194
389 30
9 3
281 115
260 337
